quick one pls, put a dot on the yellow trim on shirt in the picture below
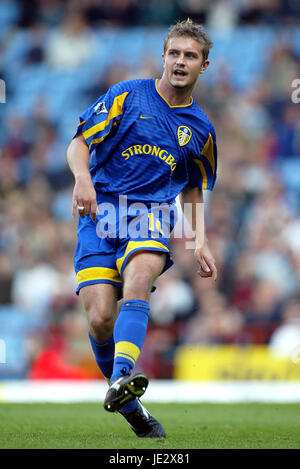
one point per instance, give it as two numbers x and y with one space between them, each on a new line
203 172
208 152
97 140
115 110
182 105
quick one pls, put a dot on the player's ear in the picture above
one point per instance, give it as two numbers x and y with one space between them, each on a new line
204 66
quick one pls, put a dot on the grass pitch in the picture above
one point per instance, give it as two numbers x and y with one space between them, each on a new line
196 426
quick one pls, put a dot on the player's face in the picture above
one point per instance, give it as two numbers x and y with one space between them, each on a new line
183 62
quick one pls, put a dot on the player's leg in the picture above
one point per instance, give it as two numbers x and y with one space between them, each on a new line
100 304
130 328
140 273
129 333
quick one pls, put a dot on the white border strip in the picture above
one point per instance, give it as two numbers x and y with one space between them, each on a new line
158 391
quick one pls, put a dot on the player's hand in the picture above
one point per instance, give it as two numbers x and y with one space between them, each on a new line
84 198
207 266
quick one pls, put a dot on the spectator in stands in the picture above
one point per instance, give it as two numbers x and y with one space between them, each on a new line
72 44
285 340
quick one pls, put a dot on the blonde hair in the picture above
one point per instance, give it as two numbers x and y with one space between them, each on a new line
188 28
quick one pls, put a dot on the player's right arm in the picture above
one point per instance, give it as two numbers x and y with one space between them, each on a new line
84 194
94 127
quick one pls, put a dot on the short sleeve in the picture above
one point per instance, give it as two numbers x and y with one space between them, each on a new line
97 122
203 167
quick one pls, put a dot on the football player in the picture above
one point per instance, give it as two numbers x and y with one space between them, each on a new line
146 141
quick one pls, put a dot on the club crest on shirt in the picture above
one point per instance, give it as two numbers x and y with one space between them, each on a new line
184 135
100 107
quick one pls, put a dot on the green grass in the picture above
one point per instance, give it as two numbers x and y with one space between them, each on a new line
199 426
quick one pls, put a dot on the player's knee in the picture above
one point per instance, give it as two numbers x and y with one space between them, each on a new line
101 324
138 285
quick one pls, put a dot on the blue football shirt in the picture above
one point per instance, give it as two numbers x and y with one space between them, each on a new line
144 148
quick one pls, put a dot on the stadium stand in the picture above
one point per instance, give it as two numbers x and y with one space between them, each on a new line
56 58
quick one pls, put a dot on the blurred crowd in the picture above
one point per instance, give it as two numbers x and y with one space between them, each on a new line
252 216
222 13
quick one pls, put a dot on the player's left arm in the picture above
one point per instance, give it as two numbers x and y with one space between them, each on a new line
203 255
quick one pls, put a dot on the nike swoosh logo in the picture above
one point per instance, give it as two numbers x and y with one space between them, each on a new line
145 117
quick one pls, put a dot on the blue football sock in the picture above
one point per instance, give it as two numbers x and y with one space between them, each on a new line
104 355
129 335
